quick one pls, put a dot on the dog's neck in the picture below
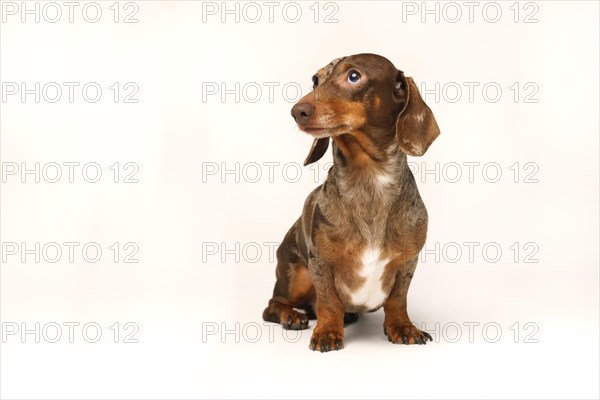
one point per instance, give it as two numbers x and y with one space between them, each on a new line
368 173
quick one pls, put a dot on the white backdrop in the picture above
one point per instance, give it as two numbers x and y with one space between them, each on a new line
194 107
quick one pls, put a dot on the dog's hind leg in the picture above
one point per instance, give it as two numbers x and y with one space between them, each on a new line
293 289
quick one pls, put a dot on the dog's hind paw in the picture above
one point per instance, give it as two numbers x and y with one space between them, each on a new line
294 320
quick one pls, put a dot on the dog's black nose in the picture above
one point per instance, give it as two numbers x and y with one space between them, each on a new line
302 112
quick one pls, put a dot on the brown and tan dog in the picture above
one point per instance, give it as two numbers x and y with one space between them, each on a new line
355 246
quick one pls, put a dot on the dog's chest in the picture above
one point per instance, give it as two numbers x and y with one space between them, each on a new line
369 294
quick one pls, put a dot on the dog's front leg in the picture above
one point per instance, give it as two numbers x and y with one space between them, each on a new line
397 325
329 331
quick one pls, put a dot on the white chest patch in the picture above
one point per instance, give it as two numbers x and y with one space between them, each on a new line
384 179
370 294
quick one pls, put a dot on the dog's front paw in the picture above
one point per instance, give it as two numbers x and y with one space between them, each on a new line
326 340
405 333
294 320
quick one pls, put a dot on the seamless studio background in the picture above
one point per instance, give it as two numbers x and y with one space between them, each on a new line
169 168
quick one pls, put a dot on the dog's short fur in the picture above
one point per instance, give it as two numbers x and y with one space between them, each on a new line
354 248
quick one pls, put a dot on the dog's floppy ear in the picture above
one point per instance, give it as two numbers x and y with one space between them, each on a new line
318 148
416 128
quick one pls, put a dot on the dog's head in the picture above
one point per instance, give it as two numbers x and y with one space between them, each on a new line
367 97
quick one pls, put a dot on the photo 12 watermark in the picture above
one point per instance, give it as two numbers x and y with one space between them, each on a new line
441 332
69 252
476 92
453 12
69 332
446 172
471 252
69 172
290 92
70 92
253 12
54 12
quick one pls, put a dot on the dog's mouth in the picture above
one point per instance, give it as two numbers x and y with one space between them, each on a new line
321 131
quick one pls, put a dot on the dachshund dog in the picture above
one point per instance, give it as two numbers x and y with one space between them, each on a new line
354 249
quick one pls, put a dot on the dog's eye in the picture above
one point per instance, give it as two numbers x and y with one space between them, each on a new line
315 80
353 76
